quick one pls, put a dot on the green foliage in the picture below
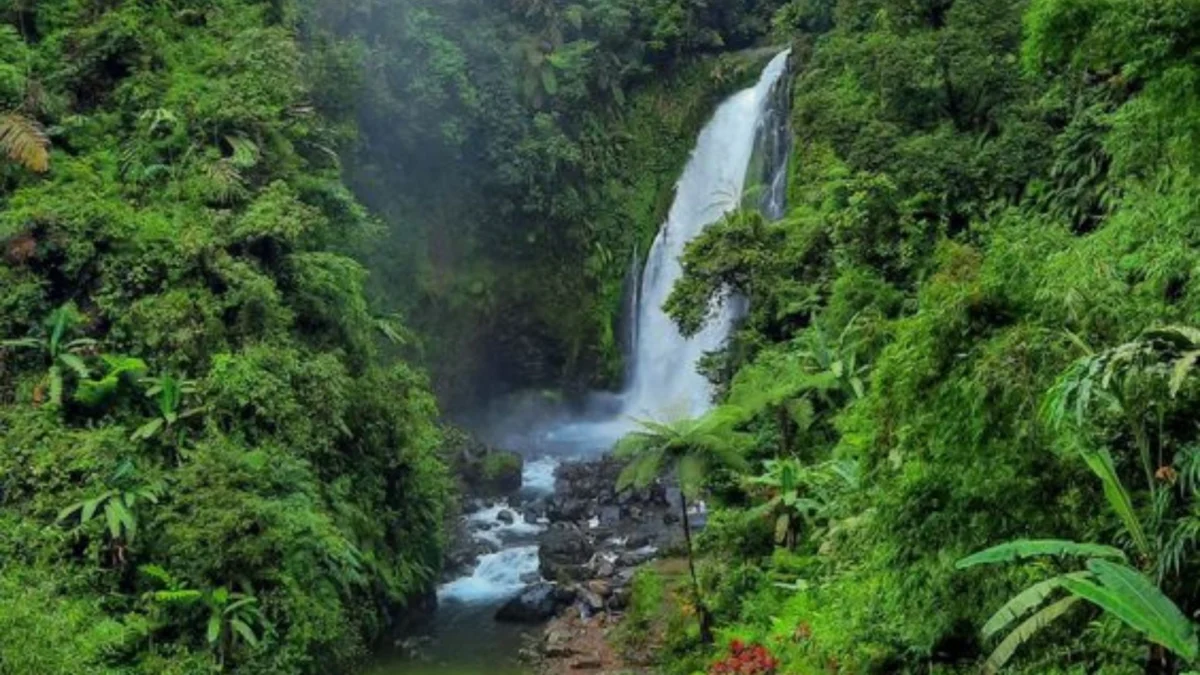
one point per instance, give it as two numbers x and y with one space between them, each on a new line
1137 602
24 141
500 464
176 296
687 448
62 356
521 155
998 199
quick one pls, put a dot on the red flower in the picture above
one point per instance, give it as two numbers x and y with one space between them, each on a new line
743 660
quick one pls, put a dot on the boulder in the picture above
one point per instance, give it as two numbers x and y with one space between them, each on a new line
564 554
538 602
507 517
590 602
600 587
490 472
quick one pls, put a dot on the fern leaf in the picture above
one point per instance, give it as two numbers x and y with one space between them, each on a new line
245 152
1023 633
1135 600
24 141
76 364
23 343
226 184
1030 548
157 573
183 597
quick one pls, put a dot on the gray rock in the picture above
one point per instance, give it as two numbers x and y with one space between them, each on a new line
535 604
564 554
507 517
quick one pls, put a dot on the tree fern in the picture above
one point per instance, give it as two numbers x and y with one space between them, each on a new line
23 140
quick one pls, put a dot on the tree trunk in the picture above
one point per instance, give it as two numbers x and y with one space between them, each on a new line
706 635
785 431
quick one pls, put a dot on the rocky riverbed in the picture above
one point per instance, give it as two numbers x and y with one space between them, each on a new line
588 538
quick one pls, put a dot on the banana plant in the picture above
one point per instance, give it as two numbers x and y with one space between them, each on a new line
169 395
118 507
1108 581
799 495
60 354
233 619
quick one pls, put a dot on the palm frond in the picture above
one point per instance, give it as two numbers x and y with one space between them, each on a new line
24 141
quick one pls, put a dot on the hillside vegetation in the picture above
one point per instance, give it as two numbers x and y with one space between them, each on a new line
972 327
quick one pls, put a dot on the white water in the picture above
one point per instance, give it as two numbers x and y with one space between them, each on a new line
496 577
664 382
538 475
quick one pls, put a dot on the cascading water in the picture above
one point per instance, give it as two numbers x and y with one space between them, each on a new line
747 140
665 379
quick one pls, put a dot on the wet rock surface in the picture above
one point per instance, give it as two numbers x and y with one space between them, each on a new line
590 538
537 603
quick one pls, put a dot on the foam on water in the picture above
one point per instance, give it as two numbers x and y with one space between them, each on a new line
496 577
538 475
485 525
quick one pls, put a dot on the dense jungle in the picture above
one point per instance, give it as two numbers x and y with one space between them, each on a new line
266 264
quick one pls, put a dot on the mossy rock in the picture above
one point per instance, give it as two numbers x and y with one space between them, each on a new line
484 471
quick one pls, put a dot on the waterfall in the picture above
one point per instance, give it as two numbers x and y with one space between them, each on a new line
665 381
747 141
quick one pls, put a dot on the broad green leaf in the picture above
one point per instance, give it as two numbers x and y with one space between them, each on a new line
1135 600
66 513
245 631
214 628
782 524
113 518
90 506
240 603
1023 603
1024 632
1183 367
148 430
1030 548
1101 464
